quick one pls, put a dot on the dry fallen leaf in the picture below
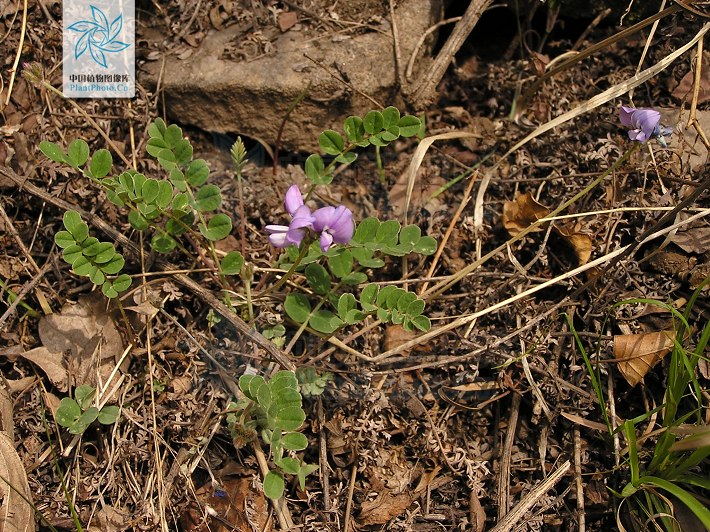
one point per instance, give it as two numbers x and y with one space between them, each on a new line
581 243
52 363
636 354
110 519
88 333
236 504
522 212
691 155
423 188
384 507
287 20
395 335
684 90
16 514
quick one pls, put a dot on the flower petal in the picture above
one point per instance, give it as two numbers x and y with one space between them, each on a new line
625 114
295 236
341 225
293 199
326 240
323 217
302 217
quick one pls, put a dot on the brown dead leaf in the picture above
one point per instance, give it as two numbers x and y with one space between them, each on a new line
384 507
287 20
236 503
110 519
16 514
693 240
52 363
691 153
477 514
181 385
684 90
423 188
395 335
522 212
88 333
581 243
637 354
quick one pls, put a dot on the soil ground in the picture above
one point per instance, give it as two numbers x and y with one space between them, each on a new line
451 434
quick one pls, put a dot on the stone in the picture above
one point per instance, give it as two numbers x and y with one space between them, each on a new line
252 98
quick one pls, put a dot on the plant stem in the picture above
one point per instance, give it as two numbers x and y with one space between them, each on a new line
290 272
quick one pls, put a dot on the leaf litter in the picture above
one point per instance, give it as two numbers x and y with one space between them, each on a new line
400 464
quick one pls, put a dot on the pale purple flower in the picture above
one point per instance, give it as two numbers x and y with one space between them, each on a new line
642 123
335 225
282 236
293 200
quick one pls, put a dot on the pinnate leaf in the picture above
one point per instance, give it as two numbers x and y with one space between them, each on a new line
318 278
108 415
208 198
325 321
373 122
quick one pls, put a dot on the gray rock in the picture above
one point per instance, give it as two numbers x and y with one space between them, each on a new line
252 98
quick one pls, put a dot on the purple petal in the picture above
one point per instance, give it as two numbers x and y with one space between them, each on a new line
295 236
625 114
326 240
278 235
341 225
646 120
323 218
302 217
293 200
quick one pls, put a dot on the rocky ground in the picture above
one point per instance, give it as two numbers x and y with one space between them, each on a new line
489 420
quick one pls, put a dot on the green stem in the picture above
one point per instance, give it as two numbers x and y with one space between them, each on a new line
380 166
290 272
12 296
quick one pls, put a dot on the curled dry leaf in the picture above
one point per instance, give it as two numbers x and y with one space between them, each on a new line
522 212
637 354
384 507
52 364
16 513
581 243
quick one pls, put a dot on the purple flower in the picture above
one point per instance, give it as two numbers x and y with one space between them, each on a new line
335 225
642 123
293 200
282 236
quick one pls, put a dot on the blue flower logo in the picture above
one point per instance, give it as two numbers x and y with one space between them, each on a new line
98 36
